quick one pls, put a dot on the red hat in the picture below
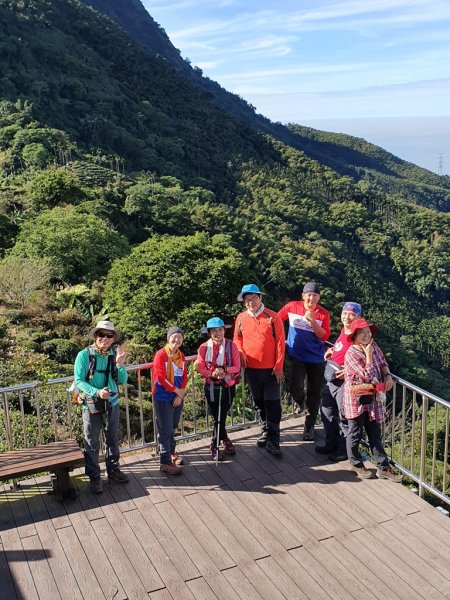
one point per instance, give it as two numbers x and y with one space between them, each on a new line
358 324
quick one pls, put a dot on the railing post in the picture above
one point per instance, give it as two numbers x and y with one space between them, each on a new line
423 444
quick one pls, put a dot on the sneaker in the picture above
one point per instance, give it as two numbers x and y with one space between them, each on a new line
308 433
228 447
337 456
389 473
177 459
170 469
119 476
262 440
96 485
215 453
324 450
273 446
363 472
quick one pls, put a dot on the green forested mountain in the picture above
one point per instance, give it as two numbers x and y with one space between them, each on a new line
345 154
126 189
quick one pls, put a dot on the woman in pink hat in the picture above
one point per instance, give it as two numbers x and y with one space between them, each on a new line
367 377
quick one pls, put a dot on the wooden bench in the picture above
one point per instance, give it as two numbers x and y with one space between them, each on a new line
58 458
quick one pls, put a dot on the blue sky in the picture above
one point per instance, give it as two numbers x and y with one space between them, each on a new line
378 69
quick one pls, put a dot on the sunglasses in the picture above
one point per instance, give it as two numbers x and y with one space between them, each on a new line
106 335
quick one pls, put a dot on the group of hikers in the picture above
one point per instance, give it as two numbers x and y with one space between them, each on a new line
346 382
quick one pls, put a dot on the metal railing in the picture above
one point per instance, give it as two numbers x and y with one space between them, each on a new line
416 432
417 435
37 413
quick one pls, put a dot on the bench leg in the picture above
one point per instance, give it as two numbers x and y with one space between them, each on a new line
61 485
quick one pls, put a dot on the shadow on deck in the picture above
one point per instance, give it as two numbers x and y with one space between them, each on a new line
252 528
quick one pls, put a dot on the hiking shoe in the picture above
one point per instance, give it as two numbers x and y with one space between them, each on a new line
363 472
215 453
170 469
96 485
337 456
262 440
119 476
324 450
273 446
389 473
308 433
228 447
177 459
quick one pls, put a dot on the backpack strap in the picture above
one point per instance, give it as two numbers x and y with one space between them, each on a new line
92 363
228 352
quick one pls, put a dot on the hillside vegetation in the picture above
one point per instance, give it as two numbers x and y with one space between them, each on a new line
126 190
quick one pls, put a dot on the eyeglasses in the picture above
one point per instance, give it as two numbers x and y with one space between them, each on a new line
105 335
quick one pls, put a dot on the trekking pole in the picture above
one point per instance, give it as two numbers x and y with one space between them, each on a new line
218 424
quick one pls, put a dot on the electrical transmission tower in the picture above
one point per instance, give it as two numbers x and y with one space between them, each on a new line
441 161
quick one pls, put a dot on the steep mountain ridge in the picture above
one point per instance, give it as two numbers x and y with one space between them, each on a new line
345 154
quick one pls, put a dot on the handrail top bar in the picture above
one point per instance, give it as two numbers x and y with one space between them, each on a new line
421 391
142 366
139 367
20 387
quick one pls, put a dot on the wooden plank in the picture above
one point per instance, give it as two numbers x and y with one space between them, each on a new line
425 530
249 508
14 552
165 567
428 567
163 594
424 544
242 586
438 525
42 575
82 567
204 547
324 578
161 530
127 538
7 589
285 586
351 490
142 467
56 557
118 557
400 567
55 508
228 530
361 568
378 568
309 586
93 549
20 512
200 589
40 458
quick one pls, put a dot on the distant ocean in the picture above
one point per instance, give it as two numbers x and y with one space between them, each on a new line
424 141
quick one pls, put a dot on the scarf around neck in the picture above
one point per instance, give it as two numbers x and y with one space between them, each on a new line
172 357
220 360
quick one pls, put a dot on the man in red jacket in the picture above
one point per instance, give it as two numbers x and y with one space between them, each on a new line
259 336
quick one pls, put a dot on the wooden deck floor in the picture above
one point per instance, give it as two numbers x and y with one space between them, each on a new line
252 528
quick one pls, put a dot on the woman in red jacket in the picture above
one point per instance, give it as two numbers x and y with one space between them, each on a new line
169 387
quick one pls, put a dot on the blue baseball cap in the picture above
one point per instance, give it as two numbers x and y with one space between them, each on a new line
352 307
213 323
250 288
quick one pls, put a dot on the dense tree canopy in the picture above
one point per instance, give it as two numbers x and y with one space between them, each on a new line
175 279
78 247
